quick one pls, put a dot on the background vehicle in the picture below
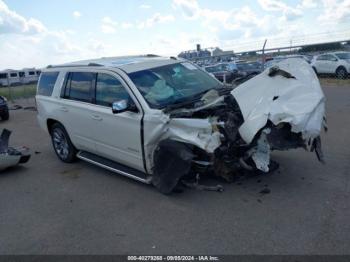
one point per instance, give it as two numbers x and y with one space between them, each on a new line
248 68
228 71
4 110
337 63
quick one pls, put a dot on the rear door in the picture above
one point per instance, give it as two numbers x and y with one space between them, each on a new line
76 110
117 136
330 64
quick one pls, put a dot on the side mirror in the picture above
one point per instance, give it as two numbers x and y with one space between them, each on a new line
119 106
122 106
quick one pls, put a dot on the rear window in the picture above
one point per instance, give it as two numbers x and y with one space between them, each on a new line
79 86
46 83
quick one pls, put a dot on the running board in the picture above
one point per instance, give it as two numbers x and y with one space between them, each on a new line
114 167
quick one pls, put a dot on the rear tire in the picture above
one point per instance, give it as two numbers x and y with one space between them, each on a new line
341 73
62 144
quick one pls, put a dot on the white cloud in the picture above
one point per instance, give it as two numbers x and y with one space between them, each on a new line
27 42
157 18
109 26
108 29
289 13
11 22
110 21
127 25
309 3
144 6
335 11
189 8
76 14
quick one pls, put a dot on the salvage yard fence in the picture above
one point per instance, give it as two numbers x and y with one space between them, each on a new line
22 95
13 93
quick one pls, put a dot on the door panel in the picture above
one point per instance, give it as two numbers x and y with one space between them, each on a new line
117 136
76 109
78 123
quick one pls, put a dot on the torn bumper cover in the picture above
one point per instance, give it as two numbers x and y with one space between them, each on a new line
279 109
10 156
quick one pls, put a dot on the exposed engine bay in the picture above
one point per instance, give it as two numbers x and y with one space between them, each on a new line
230 130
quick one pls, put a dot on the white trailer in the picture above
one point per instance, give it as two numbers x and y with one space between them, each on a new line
9 77
29 75
16 77
3 79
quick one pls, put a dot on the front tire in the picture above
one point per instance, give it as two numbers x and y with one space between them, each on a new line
341 73
62 144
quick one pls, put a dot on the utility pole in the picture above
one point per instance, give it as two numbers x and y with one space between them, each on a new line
263 54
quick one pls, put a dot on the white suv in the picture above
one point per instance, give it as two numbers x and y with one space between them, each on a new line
337 63
164 120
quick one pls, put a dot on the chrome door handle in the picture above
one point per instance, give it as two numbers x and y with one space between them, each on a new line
64 109
96 117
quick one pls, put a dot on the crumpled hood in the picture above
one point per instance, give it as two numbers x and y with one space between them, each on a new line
298 101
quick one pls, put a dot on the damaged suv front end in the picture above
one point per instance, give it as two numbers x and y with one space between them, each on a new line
225 130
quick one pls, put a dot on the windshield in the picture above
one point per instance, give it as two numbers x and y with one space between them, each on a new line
343 55
172 84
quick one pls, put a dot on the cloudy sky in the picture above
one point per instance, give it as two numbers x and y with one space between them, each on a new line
42 32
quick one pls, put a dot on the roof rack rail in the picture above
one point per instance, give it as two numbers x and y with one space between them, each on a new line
77 65
94 64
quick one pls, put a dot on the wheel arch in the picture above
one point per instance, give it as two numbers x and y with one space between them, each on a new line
341 67
50 122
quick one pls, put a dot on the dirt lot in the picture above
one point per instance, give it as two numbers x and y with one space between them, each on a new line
48 207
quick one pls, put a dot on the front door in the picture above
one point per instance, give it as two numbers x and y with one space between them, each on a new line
117 136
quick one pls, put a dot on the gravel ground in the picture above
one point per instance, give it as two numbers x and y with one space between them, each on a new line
48 207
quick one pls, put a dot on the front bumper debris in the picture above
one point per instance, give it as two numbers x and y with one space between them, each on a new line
11 156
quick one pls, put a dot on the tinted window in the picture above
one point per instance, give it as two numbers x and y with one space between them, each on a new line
80 86
327 57
322 57
46 83
330 57
343 55
31 73
13 74
109 90
3 76
21 74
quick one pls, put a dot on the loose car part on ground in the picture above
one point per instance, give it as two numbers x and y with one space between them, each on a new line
11 156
